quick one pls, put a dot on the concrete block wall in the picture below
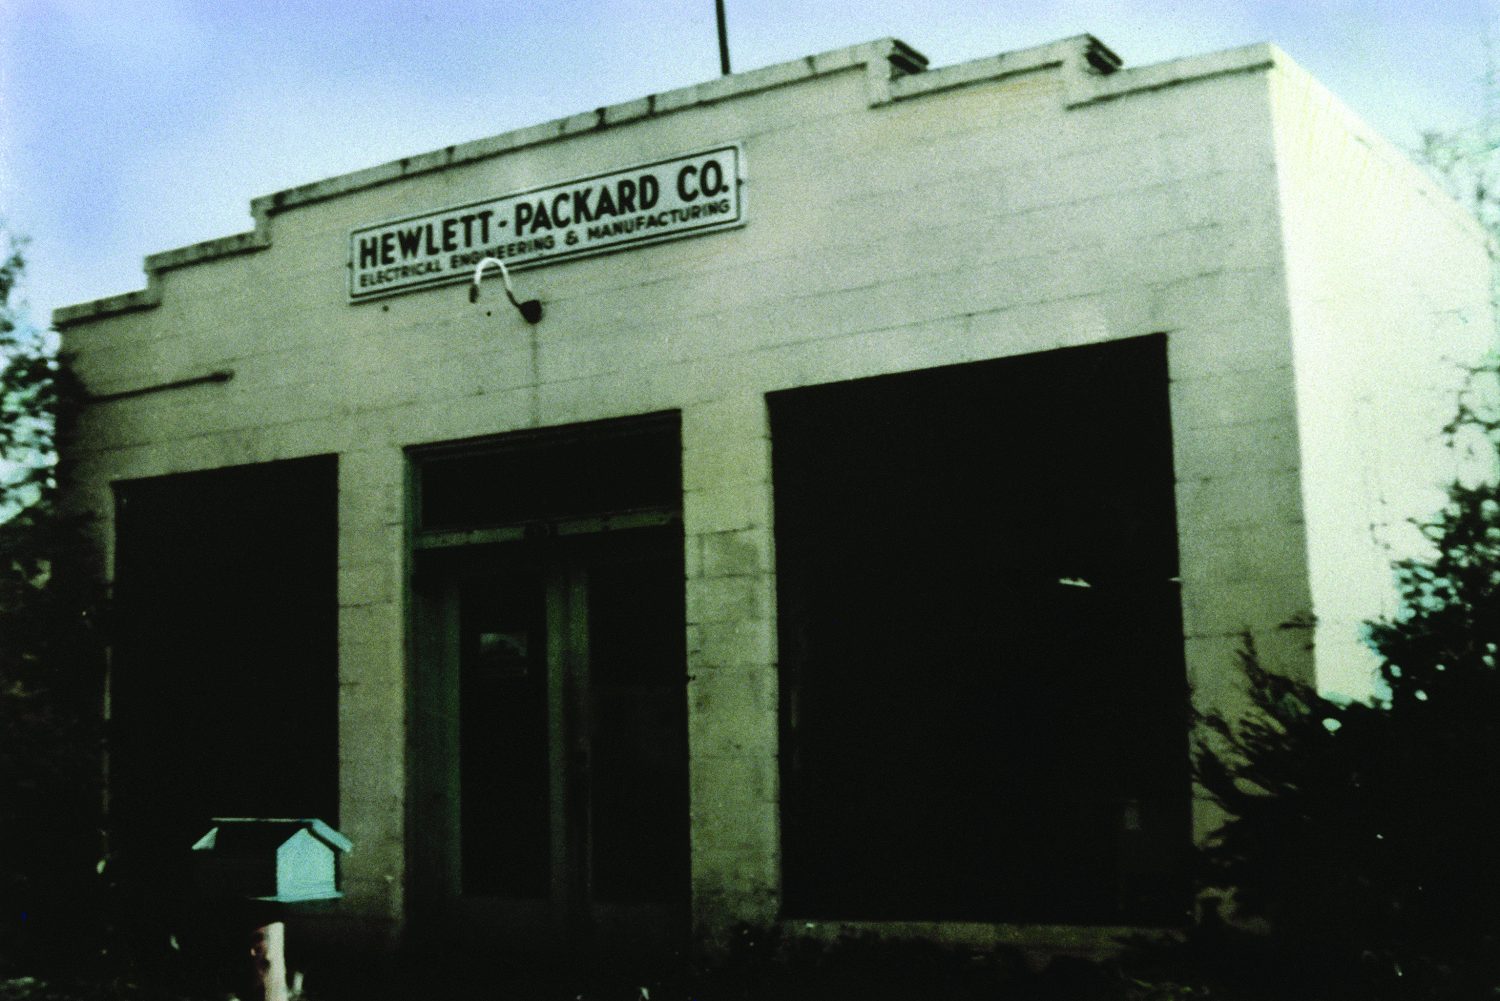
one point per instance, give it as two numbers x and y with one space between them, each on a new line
1008 206
1388 282
372 679
732 688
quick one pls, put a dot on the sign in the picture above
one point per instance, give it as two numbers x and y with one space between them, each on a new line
665 200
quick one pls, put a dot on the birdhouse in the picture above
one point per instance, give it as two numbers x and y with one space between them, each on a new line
278 860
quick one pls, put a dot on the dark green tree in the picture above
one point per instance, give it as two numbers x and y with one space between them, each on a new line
1361 839
50 677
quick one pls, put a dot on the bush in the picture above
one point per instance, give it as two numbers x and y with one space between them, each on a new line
1360 837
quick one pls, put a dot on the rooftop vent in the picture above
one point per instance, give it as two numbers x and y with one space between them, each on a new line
1100 57
904 59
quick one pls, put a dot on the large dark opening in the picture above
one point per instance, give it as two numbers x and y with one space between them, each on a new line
550 699
224 676
981 644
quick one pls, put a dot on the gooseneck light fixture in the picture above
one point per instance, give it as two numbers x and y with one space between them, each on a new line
530 310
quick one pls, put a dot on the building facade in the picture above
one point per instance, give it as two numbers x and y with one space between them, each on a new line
896 448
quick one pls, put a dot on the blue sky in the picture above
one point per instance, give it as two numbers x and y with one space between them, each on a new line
133 126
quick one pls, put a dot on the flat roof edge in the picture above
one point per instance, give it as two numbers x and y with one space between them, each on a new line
891 52
97 309
1095 88
1080 54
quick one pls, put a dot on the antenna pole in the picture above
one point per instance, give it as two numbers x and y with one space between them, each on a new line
723 38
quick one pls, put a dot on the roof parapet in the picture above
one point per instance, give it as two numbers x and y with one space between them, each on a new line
885 59
1079 56
1106 87
893 71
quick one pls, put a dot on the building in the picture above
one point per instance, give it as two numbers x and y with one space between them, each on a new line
894 445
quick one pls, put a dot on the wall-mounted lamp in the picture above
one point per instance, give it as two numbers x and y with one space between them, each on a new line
530 310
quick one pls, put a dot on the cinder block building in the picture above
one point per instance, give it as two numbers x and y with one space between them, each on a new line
895 448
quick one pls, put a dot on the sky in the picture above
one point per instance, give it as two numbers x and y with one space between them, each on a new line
129 127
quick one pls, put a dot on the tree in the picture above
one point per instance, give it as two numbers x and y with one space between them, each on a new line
49 651
27 395
1359 835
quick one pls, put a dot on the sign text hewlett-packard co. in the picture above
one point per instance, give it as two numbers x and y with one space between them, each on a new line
648 203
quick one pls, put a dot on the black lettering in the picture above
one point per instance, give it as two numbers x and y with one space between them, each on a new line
682 181
450 234
411 242
650 191
581 210
432 247
627 195
559 203
369 251
711 180
542 220
523 214
606 205
484 224
388 248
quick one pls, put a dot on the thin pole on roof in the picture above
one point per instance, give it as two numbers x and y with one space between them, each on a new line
723 38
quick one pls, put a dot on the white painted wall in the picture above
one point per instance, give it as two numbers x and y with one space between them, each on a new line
1390 300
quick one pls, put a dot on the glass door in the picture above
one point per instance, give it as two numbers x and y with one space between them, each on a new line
552 741
629 775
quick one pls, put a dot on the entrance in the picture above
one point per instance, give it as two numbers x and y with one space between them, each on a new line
981 660
224 669
551 733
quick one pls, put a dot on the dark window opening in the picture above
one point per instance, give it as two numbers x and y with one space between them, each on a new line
984 705
224 675
587 469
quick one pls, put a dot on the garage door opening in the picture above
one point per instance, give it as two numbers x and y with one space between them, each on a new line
983 695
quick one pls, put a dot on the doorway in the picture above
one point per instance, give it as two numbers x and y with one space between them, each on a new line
984 703
224 669
551 737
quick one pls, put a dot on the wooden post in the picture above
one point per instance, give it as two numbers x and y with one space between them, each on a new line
268 959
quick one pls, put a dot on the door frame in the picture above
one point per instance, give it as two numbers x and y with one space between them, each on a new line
569 917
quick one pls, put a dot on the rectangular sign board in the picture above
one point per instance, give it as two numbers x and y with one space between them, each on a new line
665 200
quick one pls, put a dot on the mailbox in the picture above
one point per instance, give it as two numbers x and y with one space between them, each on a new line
280 860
